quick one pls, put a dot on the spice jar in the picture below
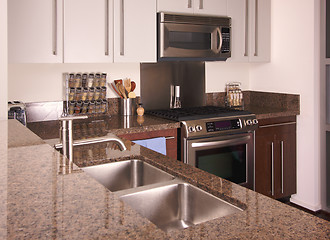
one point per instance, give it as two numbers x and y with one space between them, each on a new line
97 93
71 80
103 80
90 94
72 94
78 95
91 107
97 80
78 80
84 80
84 94
103 92
90 80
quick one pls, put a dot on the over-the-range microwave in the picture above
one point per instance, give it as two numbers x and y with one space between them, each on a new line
193 37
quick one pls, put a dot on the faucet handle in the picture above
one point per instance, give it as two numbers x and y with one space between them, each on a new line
68 118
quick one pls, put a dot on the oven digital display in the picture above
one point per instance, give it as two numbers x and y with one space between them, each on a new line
223 125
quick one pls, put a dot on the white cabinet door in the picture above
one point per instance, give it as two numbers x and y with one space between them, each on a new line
88 29
211 7
259 11
35 31
238 11
175 6
135 31
250 30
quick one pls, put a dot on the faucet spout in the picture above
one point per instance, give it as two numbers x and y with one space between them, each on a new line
100 140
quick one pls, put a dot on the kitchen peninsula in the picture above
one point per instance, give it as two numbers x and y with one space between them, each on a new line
43 200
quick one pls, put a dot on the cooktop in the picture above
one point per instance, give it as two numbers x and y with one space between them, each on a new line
194 113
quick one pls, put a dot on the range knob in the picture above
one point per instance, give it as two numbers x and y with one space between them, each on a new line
198 128
255 121
248 122
191 129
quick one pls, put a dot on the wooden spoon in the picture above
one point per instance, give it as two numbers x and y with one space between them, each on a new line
114 88
118 81
127 85
121 89
133 86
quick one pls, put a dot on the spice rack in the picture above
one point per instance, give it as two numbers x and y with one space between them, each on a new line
234 96
85 93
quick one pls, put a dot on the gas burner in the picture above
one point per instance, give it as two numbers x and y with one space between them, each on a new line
194 113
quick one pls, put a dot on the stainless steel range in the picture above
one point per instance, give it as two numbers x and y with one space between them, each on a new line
217 140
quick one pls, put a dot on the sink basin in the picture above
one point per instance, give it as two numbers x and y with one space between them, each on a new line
177 206
127 174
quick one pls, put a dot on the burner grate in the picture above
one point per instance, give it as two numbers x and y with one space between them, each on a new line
194 113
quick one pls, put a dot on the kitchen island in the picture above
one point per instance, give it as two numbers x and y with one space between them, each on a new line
44 197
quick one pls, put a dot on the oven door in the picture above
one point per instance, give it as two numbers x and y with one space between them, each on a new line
230 157
189 41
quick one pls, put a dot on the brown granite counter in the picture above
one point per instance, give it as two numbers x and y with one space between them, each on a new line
41 199
116 124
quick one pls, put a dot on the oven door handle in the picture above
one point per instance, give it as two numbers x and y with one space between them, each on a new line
221 142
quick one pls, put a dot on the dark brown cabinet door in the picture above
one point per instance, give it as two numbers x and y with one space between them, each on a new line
275 159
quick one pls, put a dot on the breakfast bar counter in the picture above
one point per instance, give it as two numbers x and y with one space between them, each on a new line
44 197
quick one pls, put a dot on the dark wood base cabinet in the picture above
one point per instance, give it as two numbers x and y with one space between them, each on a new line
275 157
171 142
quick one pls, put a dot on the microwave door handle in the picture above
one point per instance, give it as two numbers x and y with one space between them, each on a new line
221 142
219 36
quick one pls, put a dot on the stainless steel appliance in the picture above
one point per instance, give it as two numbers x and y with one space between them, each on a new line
217 140
192 37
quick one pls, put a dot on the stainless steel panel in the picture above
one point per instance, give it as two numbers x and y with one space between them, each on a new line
156 79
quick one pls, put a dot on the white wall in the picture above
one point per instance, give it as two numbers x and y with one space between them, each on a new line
294 68
217 74
43 82
3 60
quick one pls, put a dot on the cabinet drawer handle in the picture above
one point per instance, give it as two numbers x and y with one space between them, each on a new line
256 29
282 167
246 28
189 4
122 28
272 169
201 4
107 27
55 27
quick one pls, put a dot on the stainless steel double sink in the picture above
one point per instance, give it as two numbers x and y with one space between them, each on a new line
168 202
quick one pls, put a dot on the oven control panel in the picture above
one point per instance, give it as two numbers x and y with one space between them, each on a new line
219 126
223 125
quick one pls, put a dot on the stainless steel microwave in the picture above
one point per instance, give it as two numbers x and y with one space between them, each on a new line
193 37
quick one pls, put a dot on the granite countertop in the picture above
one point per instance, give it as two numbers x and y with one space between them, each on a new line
44 198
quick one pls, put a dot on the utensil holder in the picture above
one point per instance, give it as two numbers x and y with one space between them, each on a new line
128 106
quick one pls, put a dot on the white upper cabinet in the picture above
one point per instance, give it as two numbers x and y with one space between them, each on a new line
88 31
175 6
135 31
203 7
35 33
250 30
211 7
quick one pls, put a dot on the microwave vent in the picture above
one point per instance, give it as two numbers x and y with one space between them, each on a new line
199 20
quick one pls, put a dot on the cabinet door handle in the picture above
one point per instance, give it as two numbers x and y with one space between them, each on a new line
246 28
122 28
189 3
54 27
256 34
201 4
272 168
282 167
107 27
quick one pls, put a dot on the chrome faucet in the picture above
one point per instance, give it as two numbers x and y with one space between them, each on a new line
67 141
